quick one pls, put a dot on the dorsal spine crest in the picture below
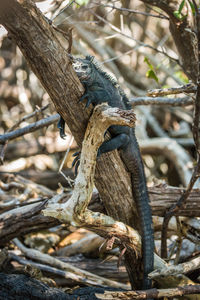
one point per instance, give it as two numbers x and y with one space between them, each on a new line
114 82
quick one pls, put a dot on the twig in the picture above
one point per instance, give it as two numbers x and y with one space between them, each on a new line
164 101
178 241
69 181
195 129
34 113
47 268
130 37
172 270
160 16
187 88
30 128
4 146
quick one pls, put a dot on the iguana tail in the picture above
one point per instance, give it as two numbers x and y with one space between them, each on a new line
132 159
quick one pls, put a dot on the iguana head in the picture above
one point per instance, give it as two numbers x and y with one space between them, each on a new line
83 68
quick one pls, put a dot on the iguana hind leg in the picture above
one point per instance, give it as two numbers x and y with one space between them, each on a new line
117 142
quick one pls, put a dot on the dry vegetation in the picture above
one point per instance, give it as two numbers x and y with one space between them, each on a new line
153 52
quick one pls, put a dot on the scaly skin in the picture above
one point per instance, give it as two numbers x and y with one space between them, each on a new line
99 87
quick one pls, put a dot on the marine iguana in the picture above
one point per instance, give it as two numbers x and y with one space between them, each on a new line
101 87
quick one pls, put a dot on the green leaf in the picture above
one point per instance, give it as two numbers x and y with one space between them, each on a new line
181 6
192 7
146 60
82 2
151 74
181 75
179 15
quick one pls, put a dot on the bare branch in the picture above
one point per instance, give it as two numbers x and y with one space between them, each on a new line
163 101
183 268
153 293
188 88
78 274
28 129
160 16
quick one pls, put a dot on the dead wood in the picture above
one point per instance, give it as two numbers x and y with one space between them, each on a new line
107 268
25 219
49 179
27 129
153 293
53 265
21 287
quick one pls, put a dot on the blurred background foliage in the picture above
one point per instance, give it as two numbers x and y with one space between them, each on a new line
133 42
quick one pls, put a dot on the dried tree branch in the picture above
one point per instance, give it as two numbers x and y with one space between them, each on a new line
153 293
80 275
183 268
188 88
29 128
163 101
28 218
160 16
174 152
75 209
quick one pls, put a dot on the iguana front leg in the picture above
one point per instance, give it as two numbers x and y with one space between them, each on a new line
61 127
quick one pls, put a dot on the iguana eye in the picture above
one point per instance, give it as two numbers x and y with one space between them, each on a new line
84 67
